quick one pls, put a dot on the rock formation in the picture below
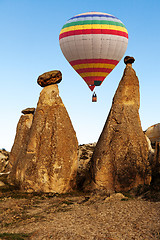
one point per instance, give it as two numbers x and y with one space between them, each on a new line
153 133
120 159
48 78
4 166
129 59
50 160
151 151
28 111
85 152
4 158
21 138
155 165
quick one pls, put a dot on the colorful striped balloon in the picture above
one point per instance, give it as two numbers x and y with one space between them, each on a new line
93 43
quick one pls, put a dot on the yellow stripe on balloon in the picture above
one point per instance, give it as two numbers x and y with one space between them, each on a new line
93 65
94 26
95 74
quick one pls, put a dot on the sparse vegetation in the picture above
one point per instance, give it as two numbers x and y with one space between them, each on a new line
14 236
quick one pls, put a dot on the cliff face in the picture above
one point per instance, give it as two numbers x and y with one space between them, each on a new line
120 160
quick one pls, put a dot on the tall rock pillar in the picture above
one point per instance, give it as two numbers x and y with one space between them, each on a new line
50 161
20 144
120 160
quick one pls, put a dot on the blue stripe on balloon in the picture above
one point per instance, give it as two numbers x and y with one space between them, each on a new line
93 15
94 18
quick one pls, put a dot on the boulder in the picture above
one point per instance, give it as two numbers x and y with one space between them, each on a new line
2 184
120 159
28 111
50 160
48 78
116 197
129 60
153 133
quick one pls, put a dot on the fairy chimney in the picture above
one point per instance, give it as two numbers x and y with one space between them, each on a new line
120 159
50 160
22 135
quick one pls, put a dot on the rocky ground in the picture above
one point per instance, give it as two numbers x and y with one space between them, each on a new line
79 216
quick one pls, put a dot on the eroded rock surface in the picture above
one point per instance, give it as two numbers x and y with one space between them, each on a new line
50 160
155 165
21 138
19 148
4 166
4 159
85 152
120 160
153 133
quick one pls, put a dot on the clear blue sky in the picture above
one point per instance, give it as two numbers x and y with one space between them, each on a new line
29 46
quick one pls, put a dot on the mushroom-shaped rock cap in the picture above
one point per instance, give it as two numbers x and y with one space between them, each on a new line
28 111
129 59
48 78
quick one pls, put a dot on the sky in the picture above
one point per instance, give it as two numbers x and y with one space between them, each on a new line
29 46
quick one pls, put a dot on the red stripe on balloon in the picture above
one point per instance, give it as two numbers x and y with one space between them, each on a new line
84 61
91 87
84 70
93 31
89 82
92 82
93 78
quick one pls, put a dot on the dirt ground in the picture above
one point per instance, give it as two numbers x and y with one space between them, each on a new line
78 216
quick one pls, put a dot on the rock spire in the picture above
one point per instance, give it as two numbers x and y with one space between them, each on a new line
46 160
120 159
21 140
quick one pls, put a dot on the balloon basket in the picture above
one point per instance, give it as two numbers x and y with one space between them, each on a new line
94 97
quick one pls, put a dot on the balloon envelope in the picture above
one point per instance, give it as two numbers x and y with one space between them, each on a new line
93 43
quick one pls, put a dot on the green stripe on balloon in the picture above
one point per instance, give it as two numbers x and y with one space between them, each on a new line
97 83
93 22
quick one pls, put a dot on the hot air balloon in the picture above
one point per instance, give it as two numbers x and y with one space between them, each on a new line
93 43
